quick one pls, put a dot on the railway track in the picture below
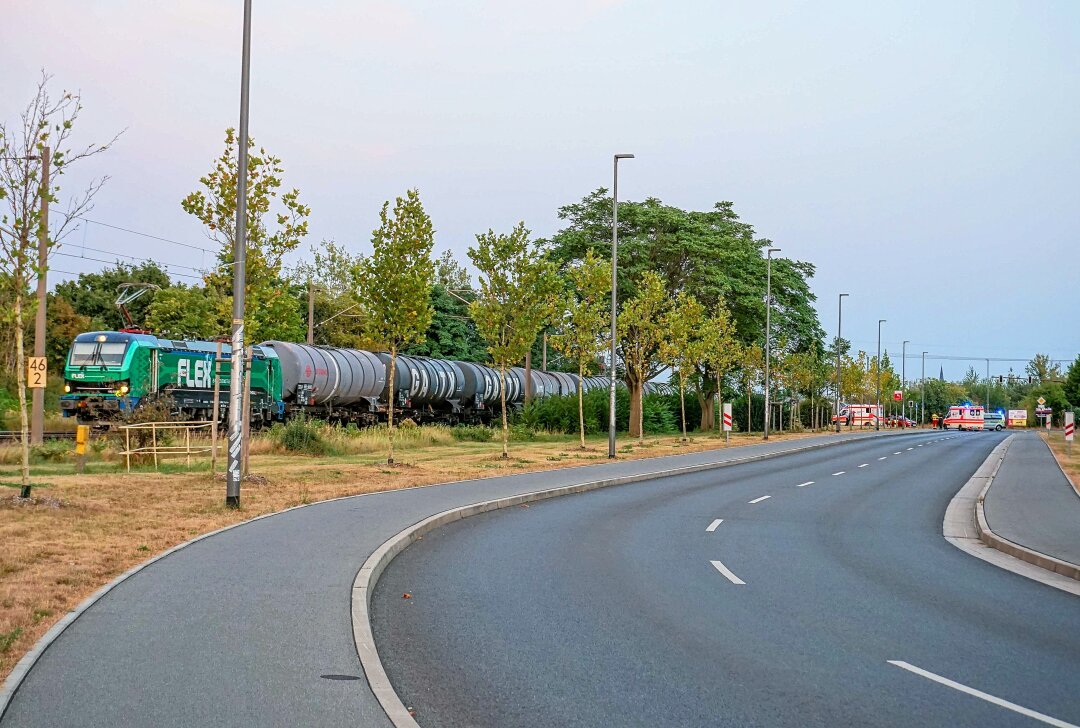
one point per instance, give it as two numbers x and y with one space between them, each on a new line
16 435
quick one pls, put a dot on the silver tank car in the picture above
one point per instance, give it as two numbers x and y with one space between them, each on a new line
315 375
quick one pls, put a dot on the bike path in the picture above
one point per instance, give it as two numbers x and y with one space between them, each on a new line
1032 503
252 626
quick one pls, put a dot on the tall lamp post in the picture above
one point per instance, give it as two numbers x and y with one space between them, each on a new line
768 333
922 388
614 283
839 326
877 374
236 373
903 380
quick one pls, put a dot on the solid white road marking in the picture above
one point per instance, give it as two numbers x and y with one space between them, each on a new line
803 485
727 572
714 524
840 473
758 500
883 457
980 694
864 465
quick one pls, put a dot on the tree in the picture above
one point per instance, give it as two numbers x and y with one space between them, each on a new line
582 336
720 352
94 294
271 312
45 124
682 348
395 284
332 275
452 334
64 325
518 287
640 336
183 312
752 367
1042 369
1072 383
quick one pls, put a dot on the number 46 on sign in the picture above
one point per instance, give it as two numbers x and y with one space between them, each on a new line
35 372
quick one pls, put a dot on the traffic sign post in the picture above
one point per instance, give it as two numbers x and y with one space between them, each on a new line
1069 428
727 423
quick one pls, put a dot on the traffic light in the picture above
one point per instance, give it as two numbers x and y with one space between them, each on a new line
1001 378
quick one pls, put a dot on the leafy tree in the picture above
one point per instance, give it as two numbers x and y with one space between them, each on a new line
452 275
640 336
46 123
94 294
582 336
682 348
64 325
752 371
453 333
518 287
271 312
332 274
1072 383
720 353
183 312
1042 369
395 284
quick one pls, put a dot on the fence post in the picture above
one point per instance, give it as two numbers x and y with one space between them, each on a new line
214 415
187 444
153 436
127 449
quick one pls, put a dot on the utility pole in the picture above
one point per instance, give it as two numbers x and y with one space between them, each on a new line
839 326
236 372
922 388
877 367
310 313
768 339
37 407
614 285
987 407
903 380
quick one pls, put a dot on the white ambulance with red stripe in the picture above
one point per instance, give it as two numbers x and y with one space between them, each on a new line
859 415
964 417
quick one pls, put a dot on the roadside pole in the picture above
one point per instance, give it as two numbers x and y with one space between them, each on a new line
727 423
37 406
1069 428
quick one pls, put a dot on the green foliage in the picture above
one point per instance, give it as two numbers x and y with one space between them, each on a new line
52 451
682 348
472 433
560 414
94 294
7 639
640 337
1072 383
332 274
452 333
189 312
302 436
271 311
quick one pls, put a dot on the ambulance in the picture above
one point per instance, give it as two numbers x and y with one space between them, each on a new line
964 417
858 415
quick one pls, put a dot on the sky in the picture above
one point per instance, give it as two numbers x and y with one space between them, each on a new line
923 156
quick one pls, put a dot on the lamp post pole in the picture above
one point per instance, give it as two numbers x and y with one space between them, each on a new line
987 407
877 374
768 333
903 380
614 284
922 388
839 327
236 372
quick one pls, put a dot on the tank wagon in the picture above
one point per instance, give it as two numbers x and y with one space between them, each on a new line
109 374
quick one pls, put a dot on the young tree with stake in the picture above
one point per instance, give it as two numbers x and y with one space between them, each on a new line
395 284
720 347
585 320
516 297
640 334
681 348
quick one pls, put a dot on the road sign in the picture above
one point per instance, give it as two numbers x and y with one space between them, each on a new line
897 395
35 372
1069 427
727 416
1018 418
1041 401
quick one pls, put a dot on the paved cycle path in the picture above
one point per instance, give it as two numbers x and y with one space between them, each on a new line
253 626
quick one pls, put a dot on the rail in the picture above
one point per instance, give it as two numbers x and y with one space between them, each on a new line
16 435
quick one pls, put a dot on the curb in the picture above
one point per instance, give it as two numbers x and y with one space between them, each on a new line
991 539
368 575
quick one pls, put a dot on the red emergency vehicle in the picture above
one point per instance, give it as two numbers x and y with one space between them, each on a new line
964 417
859 415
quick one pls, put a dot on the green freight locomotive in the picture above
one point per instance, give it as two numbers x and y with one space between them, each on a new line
111 374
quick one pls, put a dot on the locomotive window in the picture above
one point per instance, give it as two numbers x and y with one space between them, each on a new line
90 353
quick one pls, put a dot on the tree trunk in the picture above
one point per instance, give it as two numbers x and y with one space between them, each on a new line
636 422
682 405
502 396
20 368
390 406
749 411
581 403
708 412
719 404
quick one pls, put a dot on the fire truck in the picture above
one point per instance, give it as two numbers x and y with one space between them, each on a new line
858 415
964 417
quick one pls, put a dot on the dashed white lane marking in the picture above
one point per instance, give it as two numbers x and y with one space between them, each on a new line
758 500
919 445
864 465
883 457
980 694
911 448
727 572
803 485
897 453
714 524
840 473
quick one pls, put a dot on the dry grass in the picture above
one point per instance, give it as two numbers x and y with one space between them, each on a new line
1069 458
80 531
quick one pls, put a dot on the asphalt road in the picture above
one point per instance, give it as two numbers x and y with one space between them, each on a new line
252 626
622 607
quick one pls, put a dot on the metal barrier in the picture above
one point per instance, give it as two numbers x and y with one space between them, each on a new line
161 451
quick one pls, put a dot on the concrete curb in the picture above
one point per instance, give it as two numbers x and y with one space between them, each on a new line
373 567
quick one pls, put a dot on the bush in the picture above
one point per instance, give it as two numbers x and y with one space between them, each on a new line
303 436
472 433
560 414
52 451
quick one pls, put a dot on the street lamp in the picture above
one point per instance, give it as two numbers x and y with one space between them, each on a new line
877 374
768 332
903 380
236 377
839 326
922 388
614 283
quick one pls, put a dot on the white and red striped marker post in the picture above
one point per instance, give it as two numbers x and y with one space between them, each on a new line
727 423
1069 428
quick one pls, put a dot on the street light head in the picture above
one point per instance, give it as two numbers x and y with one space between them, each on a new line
882 321
624 156
774 250
844 295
